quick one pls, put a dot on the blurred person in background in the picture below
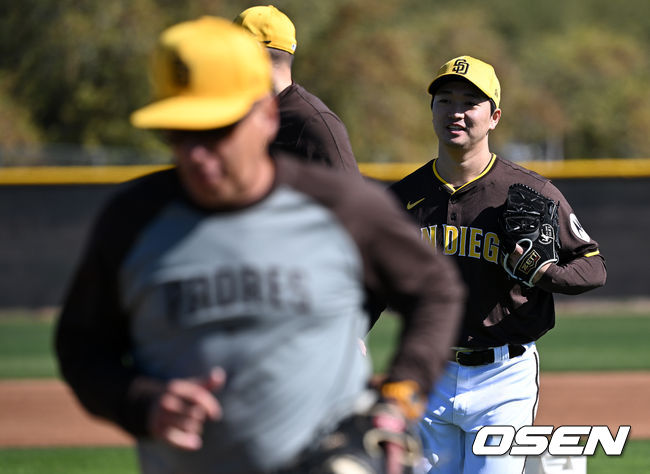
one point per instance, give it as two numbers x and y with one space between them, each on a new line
308 128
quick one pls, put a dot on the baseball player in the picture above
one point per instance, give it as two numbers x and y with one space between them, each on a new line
216 310
458 201
308 128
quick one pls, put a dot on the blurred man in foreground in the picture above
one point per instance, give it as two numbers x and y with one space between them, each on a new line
216 311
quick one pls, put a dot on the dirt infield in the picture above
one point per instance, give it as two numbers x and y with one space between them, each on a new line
43 412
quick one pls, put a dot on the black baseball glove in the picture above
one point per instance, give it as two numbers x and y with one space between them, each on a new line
378 440
529 220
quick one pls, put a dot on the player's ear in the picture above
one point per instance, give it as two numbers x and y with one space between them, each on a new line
494 119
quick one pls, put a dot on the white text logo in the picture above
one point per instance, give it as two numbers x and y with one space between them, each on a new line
534 440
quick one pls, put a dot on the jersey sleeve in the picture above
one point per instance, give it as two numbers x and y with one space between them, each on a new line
423 288
92 336
581 266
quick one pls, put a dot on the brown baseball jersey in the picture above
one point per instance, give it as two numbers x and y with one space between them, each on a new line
463 222
310 130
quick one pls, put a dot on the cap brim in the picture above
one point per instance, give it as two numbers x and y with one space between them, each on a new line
191 113
450 76
438 81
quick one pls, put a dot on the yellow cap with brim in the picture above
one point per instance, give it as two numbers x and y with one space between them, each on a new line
270 26
207 74
474 70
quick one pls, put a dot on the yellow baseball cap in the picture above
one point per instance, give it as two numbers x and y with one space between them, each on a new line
474 70
207 73
270 26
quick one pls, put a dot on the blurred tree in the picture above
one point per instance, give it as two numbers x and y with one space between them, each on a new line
79 69
574 72
16 125
388 54
593 83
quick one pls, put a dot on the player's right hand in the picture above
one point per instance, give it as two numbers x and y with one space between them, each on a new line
514 257
179 413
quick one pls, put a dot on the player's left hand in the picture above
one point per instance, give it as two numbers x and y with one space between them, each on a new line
391 433
377 439
402 403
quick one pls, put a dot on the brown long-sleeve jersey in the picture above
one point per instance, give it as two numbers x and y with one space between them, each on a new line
462 222
311 131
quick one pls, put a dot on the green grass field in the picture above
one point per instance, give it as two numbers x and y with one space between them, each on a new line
615 341
110 460
25 347
635 460
608 341
578 342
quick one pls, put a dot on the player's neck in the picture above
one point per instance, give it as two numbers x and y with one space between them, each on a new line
458 167
259 183
281 77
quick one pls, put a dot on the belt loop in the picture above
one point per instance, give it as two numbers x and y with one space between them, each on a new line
501 353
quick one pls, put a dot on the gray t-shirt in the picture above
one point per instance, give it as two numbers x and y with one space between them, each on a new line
277 293
277 304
